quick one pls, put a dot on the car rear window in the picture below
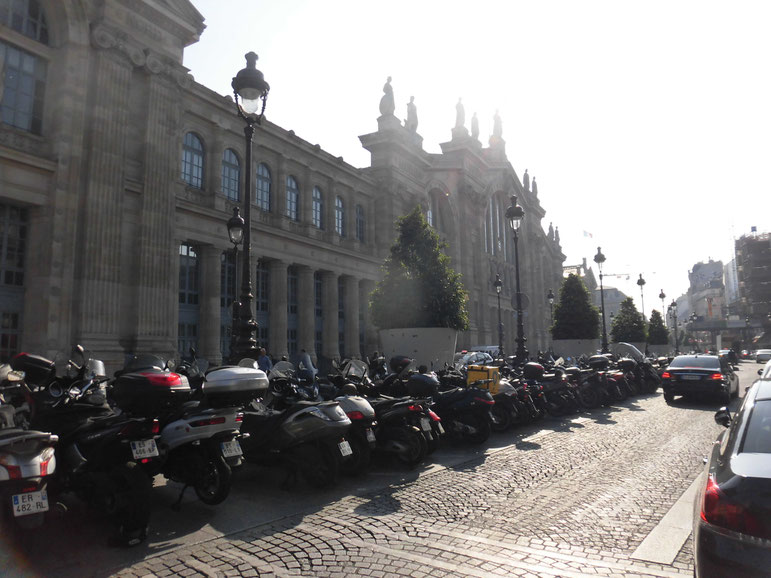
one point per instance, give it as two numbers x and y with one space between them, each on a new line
757 439
706 362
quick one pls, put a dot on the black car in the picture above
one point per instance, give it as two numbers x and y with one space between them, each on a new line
732 510
691 375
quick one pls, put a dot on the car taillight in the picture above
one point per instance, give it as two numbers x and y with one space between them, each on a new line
716 376
210 421
162 379
666 375
719 510
355 415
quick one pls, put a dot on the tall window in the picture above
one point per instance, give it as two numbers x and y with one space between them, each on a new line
228 292
339 217
318 311
192 161
361 224
430 216
317 213
341 314
22 83
291 309
25 16
263 187
13 234
231 175
261 300
187 335
292 198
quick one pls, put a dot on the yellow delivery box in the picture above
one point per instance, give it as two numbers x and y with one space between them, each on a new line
491 375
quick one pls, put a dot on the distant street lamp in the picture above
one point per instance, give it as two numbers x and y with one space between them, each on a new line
236 234
599 258
498 284
550 299
673 312
250 88
641 284
662 296
514 215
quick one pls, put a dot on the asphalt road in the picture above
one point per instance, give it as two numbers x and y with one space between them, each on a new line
601 493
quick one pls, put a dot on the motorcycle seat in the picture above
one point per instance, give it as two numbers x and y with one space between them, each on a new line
451 395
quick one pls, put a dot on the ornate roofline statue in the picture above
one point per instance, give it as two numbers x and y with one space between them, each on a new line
387 105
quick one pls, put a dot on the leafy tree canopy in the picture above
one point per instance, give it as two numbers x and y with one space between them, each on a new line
574 315
658 334
419 288
628 324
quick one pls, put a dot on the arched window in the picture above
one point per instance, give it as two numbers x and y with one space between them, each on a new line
361 224
231 175
430 216
263 187
292 198
317 211
192 161
23 73
339 217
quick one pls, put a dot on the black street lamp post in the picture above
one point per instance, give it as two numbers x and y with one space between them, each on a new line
673 312
236 234
662 296
599 258
514 215
641 283
498 284
550 299
250 88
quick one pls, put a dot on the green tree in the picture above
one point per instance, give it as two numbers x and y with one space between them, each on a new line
574 315
628 324
419 288
658 334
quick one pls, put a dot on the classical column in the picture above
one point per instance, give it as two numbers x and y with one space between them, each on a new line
277 308
158 273
351 305
330 348
305 315
209 302
99 291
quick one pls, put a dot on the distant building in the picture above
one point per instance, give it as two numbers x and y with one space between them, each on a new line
753 268
706 294
731 280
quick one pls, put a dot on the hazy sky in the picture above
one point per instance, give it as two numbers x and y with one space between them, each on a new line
646 124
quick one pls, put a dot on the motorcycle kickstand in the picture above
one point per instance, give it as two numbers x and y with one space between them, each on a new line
177 506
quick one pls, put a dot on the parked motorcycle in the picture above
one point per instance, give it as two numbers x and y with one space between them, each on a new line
200 426
287 428
27 457
98 454
637 369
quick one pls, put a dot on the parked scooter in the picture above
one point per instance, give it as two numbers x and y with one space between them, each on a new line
98 454
287 428
199 439
27 457
637 369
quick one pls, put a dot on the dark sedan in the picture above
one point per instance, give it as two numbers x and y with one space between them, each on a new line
732 515
691 375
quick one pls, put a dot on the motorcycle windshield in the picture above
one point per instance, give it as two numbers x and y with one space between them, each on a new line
628 350
144 361
356 369
281 369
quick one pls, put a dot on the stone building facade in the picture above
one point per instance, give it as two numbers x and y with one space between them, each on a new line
118 173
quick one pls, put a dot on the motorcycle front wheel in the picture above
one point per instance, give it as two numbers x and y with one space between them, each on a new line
319 465
358 462
589 397
212 479
481 427
129 503
502 418
414 446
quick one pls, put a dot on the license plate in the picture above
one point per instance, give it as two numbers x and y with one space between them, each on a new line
425 424
144 449
370 435
231 449
29 503
691 377
345 448
439 427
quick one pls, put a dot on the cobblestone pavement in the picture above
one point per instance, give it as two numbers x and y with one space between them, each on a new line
568 497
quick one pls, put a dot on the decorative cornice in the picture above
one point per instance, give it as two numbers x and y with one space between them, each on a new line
105 37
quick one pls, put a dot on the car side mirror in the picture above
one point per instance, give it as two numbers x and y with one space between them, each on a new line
723 417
